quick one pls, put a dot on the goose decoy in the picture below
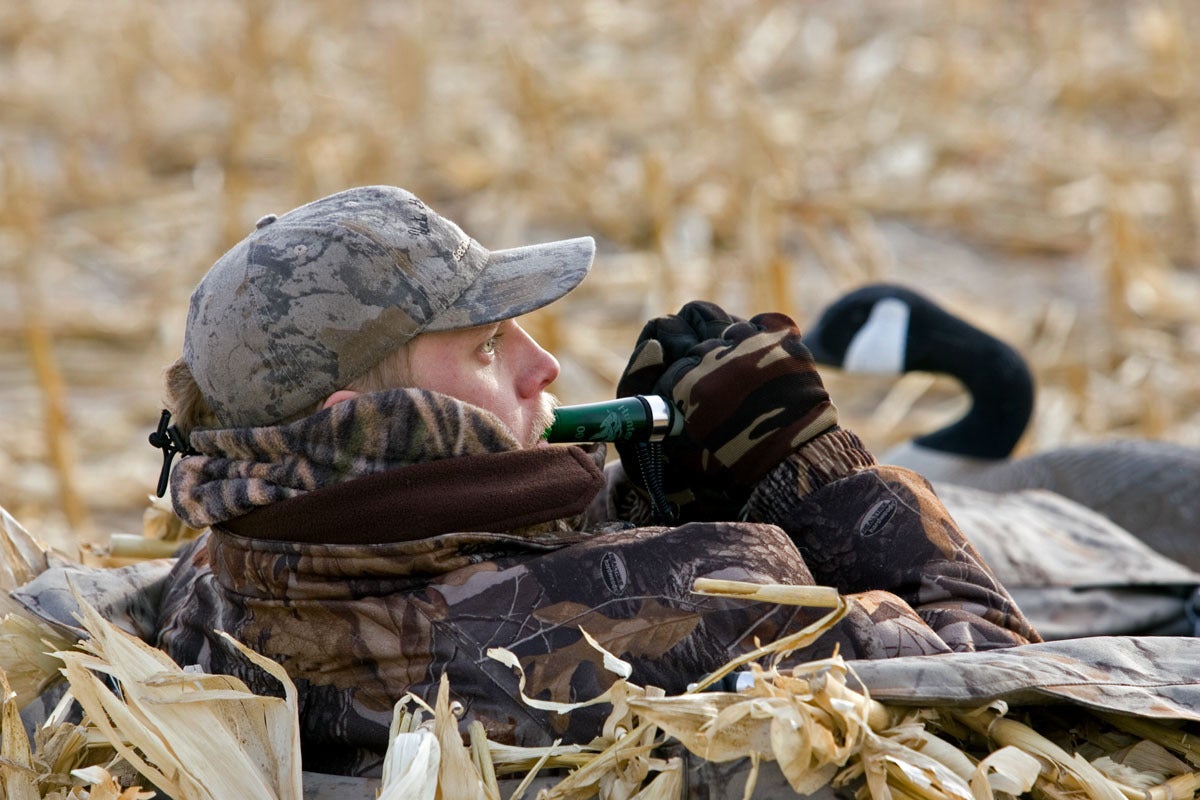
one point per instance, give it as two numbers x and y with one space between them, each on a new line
1072 571
1148 487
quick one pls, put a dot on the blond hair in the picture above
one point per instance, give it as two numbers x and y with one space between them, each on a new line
190 411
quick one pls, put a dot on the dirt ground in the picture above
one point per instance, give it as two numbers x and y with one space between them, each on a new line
1031 164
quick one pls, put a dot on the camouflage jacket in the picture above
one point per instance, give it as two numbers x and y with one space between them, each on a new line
394 538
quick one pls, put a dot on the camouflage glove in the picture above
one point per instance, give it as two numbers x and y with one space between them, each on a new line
662 342
748 389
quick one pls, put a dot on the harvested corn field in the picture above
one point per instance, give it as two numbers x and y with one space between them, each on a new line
1032 165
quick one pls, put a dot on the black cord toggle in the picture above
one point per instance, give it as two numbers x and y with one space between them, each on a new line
169 439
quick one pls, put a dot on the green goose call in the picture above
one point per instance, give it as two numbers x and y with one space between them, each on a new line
641 418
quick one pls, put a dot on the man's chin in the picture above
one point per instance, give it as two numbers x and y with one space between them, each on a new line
543 418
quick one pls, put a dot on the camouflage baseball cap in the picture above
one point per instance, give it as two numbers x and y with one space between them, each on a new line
315 298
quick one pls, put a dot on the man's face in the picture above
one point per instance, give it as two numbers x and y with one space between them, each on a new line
497 367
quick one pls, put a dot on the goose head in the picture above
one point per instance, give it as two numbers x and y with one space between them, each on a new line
890 329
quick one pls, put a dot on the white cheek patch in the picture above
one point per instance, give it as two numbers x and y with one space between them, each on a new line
878 347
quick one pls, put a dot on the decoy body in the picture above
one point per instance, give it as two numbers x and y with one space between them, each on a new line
1150 488
1073 572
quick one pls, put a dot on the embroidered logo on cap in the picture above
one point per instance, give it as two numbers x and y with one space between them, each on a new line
461 250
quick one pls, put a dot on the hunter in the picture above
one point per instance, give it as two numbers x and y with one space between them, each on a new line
361 416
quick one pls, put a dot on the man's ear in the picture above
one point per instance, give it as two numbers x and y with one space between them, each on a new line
339 396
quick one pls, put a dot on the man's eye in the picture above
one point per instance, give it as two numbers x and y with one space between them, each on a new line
489 347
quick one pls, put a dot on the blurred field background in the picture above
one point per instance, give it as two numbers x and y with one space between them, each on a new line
1032 164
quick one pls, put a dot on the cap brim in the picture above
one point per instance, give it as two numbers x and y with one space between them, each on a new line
519 280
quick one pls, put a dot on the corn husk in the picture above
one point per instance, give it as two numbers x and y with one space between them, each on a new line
795 595
163 533
511 759
22 556
429 759
48 771
26 655
196 736
17 774
414 757
626 759
160 522
1068 770
106 787
175 727
787 594
457 775
26 642
821 731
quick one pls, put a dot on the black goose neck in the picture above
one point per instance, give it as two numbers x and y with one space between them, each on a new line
995 375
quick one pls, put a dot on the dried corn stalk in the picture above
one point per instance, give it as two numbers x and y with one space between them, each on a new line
26 643
22 557
410 768
27 646
1069 773
201 736
106 787
627 758
819 596
48 773
18 778
159 521
163 533
457 776
821 731
196 736
427 758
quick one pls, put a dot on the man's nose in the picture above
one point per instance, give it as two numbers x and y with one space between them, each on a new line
541 368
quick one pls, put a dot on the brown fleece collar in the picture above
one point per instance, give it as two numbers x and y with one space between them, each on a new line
491 492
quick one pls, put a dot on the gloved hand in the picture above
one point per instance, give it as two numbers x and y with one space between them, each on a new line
748 389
